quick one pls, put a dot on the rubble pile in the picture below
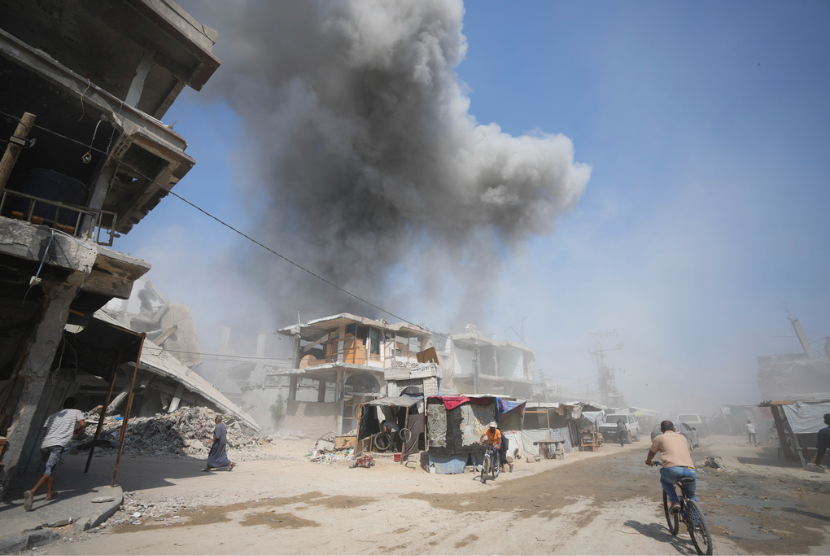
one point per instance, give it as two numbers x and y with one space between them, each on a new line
184 432
322 456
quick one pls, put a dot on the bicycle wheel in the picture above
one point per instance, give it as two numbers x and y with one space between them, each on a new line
698 529
672 520
496 465
405 434
485 468
383 441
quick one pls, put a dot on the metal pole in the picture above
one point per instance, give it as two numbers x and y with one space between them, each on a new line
103 410
127 412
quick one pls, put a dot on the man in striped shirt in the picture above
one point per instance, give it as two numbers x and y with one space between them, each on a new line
60 427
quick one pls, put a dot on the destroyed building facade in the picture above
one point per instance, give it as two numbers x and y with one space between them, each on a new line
483 365
339 362
85 84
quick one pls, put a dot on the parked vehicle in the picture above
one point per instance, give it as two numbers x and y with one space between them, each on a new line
681 428
694 420
609 428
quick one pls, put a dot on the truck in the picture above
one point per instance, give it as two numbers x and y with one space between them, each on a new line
608 427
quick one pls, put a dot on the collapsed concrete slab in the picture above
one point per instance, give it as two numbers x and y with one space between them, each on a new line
176 384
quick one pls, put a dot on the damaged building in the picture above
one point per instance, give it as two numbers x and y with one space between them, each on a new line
338 363
483 365
85 85
796 392
796 376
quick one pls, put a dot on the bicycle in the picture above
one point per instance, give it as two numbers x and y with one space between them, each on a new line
490 464
690 513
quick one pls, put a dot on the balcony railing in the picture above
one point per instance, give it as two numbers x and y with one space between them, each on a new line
80 222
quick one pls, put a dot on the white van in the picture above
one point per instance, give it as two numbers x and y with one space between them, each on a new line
695 421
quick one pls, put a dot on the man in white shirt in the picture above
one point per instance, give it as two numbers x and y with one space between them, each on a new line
750 431
59 427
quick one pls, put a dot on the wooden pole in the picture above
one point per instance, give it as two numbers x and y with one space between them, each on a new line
12 150
104 410
403 442
357 434
127 411
782 435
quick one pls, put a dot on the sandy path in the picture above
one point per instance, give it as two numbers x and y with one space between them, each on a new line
591 503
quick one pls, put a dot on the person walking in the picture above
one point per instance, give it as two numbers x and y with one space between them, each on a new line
60 427
750 431
823 440
218 455
621 431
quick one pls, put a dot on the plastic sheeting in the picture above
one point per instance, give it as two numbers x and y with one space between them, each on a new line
531 436
593 416
805 418
515 446
446 464
528 437
510 405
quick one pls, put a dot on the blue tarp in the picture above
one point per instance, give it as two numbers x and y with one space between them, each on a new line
446 464
509 405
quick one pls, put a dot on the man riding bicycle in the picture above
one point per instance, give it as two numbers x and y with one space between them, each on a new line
493 435
677 462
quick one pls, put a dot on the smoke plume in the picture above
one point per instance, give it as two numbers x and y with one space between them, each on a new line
364 161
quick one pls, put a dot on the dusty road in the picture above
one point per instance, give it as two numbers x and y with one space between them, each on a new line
603 503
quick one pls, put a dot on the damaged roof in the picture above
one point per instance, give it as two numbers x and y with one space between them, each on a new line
154 360
468 339
313 329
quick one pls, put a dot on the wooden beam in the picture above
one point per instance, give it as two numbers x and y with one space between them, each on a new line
13 150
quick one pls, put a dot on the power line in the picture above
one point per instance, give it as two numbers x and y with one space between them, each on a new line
222 222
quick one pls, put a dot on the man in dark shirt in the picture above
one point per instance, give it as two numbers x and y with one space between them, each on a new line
823 440
621 430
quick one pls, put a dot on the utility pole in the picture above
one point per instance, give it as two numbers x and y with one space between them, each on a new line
608 392
802 337
475 367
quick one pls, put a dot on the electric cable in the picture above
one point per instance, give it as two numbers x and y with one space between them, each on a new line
225 224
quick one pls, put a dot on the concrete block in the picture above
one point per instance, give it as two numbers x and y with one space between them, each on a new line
27 540
99 512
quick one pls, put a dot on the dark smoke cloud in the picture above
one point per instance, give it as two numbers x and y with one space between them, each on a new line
372 167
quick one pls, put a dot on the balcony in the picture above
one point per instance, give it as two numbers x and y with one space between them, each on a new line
79 222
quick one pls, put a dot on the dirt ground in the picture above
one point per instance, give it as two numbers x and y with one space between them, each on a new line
607 502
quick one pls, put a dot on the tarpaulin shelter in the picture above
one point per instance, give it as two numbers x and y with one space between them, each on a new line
797 424
454 426
406 411
545 422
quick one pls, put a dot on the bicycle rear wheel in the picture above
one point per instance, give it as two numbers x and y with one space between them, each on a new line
496 463
485 468
672 520
698 529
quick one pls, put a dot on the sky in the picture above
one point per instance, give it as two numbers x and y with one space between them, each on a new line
704 221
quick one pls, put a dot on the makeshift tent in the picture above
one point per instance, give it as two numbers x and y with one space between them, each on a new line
797 424
544 422
454 426
406 411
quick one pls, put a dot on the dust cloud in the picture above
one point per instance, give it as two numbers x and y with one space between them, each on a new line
362 162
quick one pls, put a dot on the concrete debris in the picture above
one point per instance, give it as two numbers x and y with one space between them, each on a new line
184 432
715 462
319 456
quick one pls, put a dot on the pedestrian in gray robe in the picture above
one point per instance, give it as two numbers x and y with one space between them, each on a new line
218 455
